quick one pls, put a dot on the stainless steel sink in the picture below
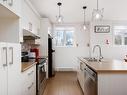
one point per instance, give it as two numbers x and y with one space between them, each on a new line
91 59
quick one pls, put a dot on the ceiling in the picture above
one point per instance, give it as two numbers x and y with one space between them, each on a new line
72 10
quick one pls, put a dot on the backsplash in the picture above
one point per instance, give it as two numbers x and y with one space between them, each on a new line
28 44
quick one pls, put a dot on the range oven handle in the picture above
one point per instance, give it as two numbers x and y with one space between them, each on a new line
41 65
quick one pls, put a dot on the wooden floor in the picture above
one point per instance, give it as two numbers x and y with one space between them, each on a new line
64 83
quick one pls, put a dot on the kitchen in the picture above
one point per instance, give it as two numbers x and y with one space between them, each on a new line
47 51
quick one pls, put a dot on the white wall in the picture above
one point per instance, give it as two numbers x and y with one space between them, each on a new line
66 57
108 51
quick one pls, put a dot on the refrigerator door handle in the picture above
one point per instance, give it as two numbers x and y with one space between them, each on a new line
53 50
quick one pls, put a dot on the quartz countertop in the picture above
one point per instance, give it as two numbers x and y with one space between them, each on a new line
107 66
26 65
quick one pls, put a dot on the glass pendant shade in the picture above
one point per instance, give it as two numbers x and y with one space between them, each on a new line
59 18
97 14
84 26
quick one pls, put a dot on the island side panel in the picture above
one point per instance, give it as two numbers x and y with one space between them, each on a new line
112 84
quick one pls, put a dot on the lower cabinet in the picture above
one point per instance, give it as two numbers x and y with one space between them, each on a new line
81 74
10 69
29 81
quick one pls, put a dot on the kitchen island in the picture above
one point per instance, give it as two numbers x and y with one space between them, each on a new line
107 77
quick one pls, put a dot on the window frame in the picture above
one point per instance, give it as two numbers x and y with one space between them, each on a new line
64 29
123 41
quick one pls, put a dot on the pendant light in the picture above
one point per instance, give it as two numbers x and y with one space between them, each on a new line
84 24
97 13
59 17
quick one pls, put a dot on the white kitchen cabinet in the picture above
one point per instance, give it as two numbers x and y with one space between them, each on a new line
9 17
81 74
10 70
14 69
13 5
46 26
29 81
30 20
3 69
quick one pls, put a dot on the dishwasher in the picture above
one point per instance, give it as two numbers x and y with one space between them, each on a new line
90 86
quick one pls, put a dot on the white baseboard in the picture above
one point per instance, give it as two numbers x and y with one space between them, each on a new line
65 69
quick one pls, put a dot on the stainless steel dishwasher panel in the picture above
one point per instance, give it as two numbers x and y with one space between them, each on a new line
90 85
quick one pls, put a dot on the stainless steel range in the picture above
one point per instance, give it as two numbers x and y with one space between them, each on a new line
41 75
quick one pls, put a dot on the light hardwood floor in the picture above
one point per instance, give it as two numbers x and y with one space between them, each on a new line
64 83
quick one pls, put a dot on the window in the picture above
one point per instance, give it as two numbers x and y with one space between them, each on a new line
120 35
64 36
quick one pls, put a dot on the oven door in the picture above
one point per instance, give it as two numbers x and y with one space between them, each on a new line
41 82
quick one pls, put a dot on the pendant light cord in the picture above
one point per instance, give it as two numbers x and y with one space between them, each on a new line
59 11
97 5
59 4
84 16
84 8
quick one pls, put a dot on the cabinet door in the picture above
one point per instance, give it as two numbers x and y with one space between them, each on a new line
14 69
33 89
17 7
3 69
14 6
1 1
29 81
34 85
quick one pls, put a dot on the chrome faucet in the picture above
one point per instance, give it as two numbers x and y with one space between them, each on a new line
100 56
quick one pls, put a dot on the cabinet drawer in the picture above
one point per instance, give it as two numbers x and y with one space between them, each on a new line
32 90
29 76
30 73
29 81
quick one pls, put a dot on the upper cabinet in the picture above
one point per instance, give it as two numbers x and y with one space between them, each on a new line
13 6
18 17
46 29
30 19
10 12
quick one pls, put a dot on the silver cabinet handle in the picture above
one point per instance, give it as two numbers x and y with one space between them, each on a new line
5 64
10 3
30 73
30 86
11 49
